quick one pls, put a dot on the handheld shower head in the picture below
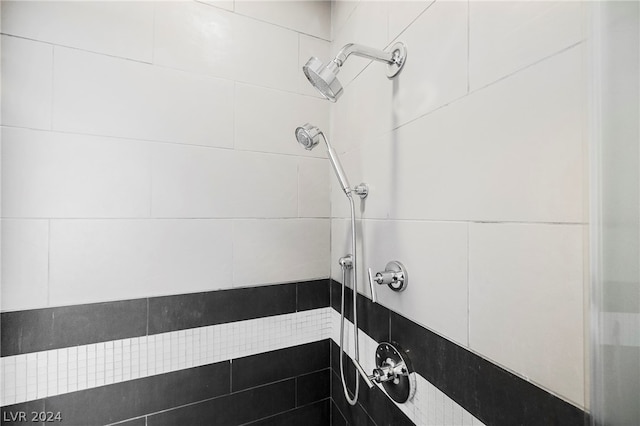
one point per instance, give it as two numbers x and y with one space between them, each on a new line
308 136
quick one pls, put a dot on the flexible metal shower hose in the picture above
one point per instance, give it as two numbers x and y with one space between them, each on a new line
354 399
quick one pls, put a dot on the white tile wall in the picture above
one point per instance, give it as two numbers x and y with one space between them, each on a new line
55 372
141 131
266 119
454 162
277 250
435 255
24 263
340 12
436 71
224 4
100 260
85 25
507 36
27 67
526 301
308 16
192 181
108 96
51 174
202 39
194 37
313 191
403 13
471 131
266 186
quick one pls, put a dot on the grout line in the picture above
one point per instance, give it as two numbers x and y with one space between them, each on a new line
48 262
53 62
167 218
468 286
468 45
153 141
153 33
490 84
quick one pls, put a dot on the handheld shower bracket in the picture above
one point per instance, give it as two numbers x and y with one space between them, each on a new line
361 190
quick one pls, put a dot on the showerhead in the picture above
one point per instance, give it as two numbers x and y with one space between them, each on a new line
308 136
324 78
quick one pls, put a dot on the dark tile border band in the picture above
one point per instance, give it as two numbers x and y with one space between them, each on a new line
283 392
490 393
55 328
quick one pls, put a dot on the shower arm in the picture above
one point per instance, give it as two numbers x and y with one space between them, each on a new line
365 52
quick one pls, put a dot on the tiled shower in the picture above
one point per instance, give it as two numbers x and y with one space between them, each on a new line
170 253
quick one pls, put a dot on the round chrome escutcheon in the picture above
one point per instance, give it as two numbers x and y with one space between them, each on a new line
403 386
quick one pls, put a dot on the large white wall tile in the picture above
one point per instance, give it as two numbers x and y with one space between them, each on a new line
340 12
435 255
313 188
526 302
122 29
199 38
519 160
194 37
192 181
266 119
403 13
507 36
50 174
265 54
436 69
100 260
306 16
364 110
27 78
24 264
308 47
224 4
265 185
114 97
271 251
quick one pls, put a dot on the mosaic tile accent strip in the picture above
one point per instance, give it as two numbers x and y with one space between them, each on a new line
429 406
47 373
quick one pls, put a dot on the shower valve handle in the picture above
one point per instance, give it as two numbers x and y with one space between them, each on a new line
394 276
373 287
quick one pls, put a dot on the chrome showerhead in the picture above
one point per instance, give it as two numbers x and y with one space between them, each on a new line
308 136
324 78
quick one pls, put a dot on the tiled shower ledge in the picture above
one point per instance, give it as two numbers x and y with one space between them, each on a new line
48 373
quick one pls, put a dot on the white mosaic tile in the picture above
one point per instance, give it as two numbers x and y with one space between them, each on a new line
48 373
